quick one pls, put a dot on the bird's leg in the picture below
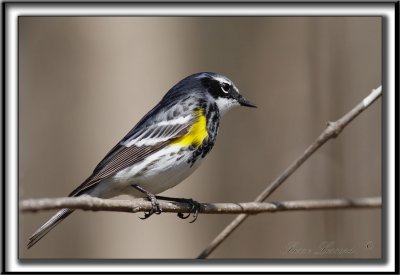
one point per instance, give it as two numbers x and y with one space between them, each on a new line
195 206
152 198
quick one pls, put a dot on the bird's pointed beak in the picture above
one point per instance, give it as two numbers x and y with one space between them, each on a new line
244 102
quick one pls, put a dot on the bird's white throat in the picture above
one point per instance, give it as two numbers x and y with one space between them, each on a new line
225 104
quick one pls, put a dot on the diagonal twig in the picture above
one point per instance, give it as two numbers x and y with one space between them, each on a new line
331 131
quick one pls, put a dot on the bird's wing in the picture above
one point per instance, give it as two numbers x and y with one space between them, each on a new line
139 143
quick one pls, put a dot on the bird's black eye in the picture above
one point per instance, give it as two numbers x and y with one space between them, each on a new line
225 87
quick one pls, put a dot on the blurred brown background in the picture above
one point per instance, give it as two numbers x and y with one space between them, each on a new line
85 82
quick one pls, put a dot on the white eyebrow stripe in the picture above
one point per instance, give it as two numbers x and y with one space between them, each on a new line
219 78
222 80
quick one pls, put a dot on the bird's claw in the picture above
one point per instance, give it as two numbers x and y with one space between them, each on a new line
195 208
155 208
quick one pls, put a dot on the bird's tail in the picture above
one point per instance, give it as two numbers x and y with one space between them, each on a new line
49 225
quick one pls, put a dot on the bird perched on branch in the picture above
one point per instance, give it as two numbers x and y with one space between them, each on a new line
164 148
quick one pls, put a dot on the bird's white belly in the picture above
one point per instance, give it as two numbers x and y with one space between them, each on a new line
157 173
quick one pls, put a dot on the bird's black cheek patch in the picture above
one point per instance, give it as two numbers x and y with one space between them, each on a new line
206 82
213 87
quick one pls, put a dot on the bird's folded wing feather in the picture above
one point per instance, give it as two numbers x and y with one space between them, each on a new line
136 146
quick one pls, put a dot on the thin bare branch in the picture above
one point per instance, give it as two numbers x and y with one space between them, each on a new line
332 131
141 205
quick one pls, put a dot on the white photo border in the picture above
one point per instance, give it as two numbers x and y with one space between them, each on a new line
11 12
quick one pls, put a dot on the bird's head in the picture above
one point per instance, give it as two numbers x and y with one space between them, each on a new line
217 88
222 90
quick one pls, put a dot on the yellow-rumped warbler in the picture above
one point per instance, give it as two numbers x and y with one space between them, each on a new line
164 148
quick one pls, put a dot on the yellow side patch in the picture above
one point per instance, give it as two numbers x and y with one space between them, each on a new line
196 134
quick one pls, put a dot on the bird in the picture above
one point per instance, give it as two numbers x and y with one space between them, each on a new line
163 148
